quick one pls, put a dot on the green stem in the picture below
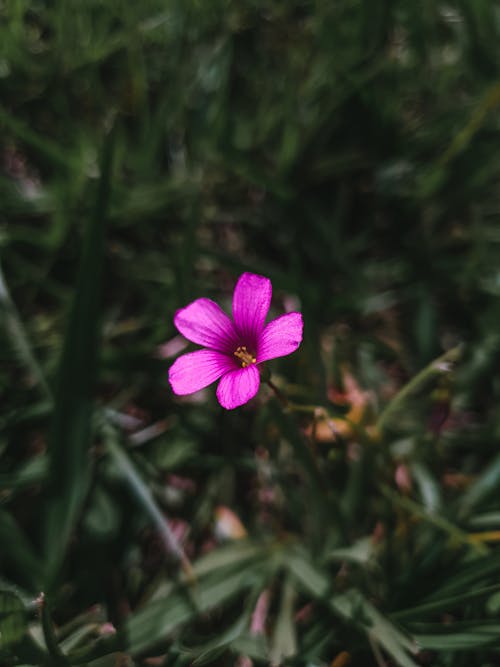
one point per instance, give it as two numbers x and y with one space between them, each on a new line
436 368
57 657
278 393
456 534
316 411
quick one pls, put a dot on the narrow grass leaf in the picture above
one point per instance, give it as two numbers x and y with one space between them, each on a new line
361 552
284 641
47 148
355 608
463 636
12 323
33 471
158 620
209 650
476 574
446 604
71 424
252 646
233 554
145 497
428 486
20 555
314 581
483 487
13 621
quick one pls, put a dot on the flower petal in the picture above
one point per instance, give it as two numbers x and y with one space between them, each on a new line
282 336
196 370
205 323
251 301
238 387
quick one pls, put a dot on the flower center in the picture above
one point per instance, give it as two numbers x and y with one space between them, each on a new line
246 359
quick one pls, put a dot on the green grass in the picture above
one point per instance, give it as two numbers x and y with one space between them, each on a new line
149 154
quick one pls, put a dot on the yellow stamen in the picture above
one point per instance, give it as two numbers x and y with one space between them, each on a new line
244 356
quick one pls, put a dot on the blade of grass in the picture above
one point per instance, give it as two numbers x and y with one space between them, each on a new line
70 436
466 636
444 604
32 472
354 608
13 620
472 574
158 619
19 338
145 497
20 553
284 641
48 149
481 489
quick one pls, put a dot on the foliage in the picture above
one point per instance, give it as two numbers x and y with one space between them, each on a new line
150 153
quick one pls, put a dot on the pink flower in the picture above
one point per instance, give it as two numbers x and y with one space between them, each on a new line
233 348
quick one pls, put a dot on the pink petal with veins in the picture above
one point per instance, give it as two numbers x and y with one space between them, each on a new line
196 370
282 336
251 301
205 323
238 387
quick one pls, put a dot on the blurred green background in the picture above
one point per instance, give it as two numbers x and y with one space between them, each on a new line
149 154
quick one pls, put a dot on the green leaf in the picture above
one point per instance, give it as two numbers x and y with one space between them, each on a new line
355 608
220 643
233 554
168 454
361 552
13 621
315 581
102 517
144 495
483 487
428 486
70 438
219 580
474 574
51 151
158 620
31 472
444 604
253 646
460 636
78 637
17 550
488 520
284 641
10 320
455 533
